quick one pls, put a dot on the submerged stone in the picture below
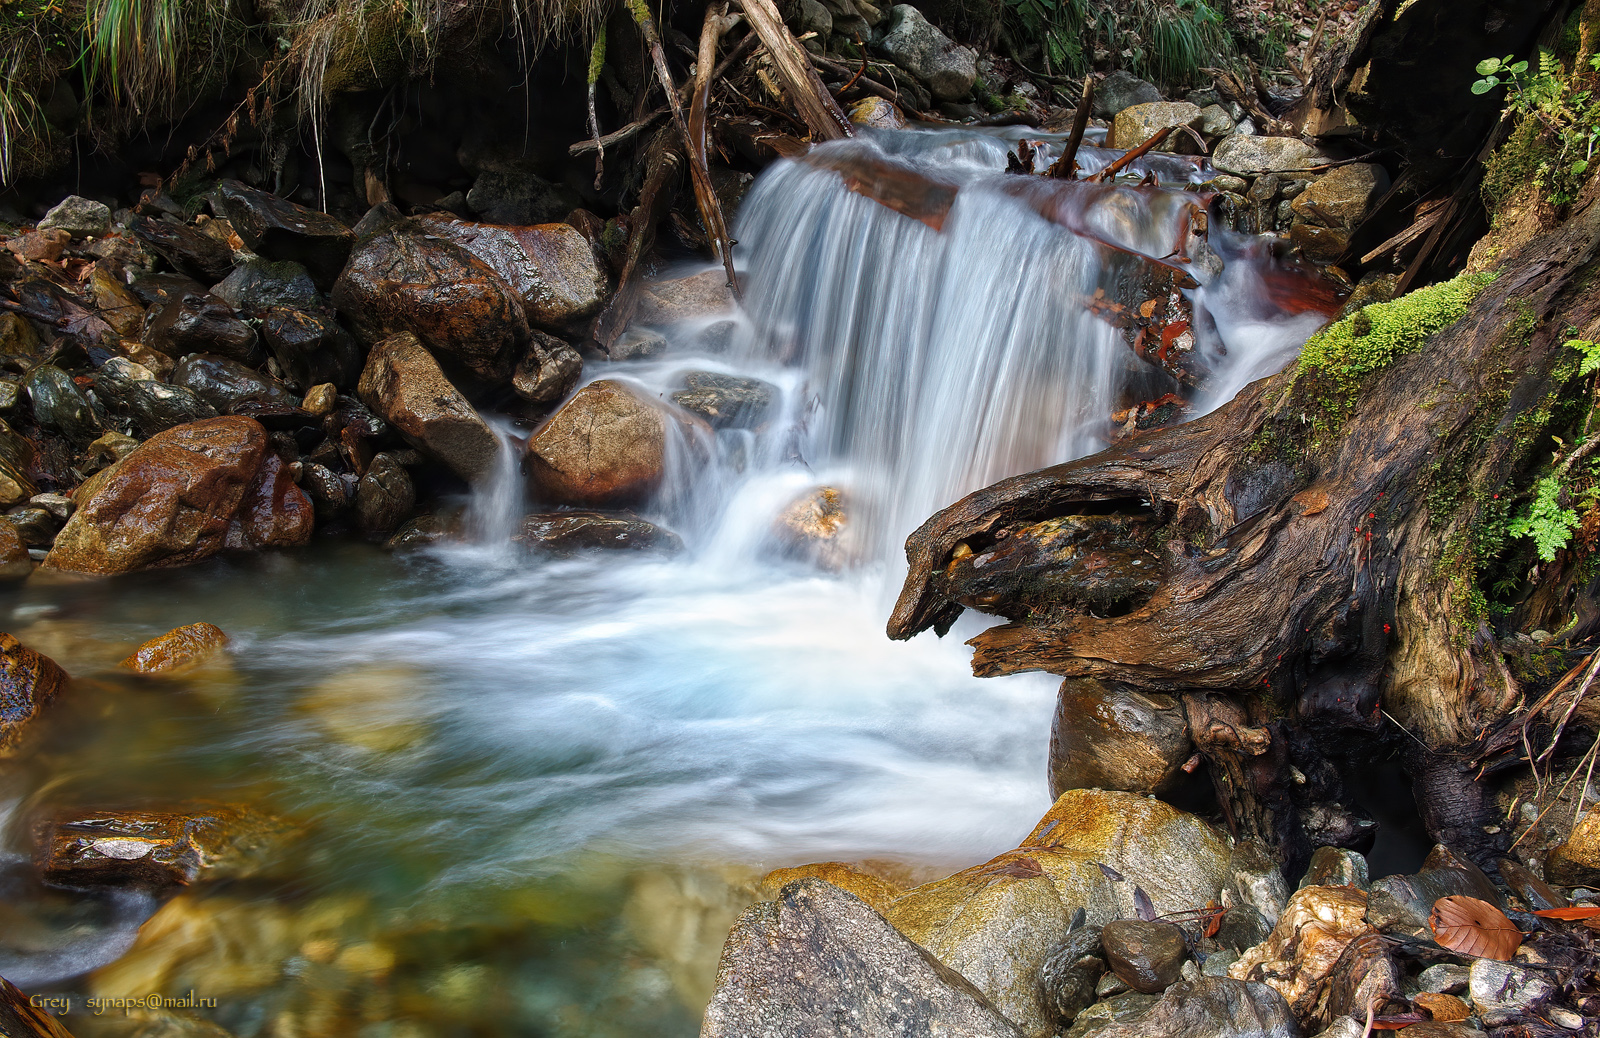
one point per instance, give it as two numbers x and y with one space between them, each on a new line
28 680
147 848
179 649
726 401
565 532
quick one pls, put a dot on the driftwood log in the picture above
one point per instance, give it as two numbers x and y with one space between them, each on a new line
1294 586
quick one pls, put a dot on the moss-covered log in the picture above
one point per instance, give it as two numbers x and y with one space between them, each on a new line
1321 541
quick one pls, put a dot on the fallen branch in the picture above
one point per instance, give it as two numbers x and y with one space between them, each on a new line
1135 155
811 99
663 164
705 195
597 61
866 83
1067 165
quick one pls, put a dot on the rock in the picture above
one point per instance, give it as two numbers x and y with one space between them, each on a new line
1067 979
814 527
1335 867
114 302
1445 978
320 400
870 887
1365 974
422 531
1138 123
996 925
28 680
551 266
695 298
1107 736
565 532
520 198
78 216
1250 156
1113 1010
403 384
1402 903
548 372
1147 957
1176 858
310 346
1120 90
1341 197
1211 1007
152 405
1320 244
276 227
815 18
225 383
172 501
180 649
58 404
260 284
1216 122
726 401
385 497
15 563
800 967
189 251
405 279
275 513
1312 933
606 447
36 526
1257 879
43 246
1499 988
202 324
1344 1027
147 848
875 113
1577 860
915 45
1534 892
327 491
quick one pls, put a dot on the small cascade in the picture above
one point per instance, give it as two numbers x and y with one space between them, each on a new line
498 504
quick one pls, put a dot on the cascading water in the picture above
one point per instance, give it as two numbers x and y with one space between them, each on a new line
472 736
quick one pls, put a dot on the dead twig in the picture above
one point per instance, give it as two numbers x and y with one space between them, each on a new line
816 106
1133 156
1066 167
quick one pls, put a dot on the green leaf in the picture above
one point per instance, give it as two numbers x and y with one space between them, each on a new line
1519 68
1483 86
1580 166
1488 65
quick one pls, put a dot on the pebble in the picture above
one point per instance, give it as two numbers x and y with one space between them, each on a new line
1564 1018
1445 979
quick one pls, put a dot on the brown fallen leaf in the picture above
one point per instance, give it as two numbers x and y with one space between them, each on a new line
1575 912
1473 927
1444 1008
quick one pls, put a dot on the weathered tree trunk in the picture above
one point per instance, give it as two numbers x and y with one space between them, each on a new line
1315 574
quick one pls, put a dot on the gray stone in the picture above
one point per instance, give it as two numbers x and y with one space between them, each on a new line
516 197
1217 963
1499 987
1112 1011
1335 867
815 18
225 384
1243 926
726 401
58 505
914 44
562 533
1067 979
259 283
35 525
1216 122
549 371
1445 978
59 405
1342 197
819 962
153 406
1344 1027
1250 156
1258 880
79 216
1138 123
384 497
1147 956
1121 90
403 385
1212 1007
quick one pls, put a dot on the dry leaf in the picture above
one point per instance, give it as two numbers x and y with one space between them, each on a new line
1473 927
1445 1008
1576 912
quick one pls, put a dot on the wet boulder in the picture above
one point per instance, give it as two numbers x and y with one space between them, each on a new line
996 924
1211 1007
877 114
190 252
697 297
279 228
1401 904
28 680
180 649
115 302
1146 956
914 44
404 385
225 384
1501 991
330 496
1250 156
202 324
563 533
1329 210
519 198
1122 89
15 563
1311 935
405 279
150 849
1067 979
59 405
1336 867
259 284
871 887
274 513
606 447
551 266
1577 859
385 497
1108 736
790 968
726 401
310 346
1138 123
131 390
81 217
815 527
548 372
36 526
172 501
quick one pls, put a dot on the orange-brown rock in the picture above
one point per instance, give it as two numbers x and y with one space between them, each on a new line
275 513
815 527
179 649
403 384
696 297
1303 949
404 279
28 680
14 561
149 848
551 266
873 889
606 447
173 501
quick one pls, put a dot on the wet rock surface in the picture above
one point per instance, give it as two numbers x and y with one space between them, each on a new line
202 324
1306 944
819 962
550 266
277 227
28 681
1106 736
146 848
606 447
567 532
1211 1007
726 401
548 372
385 496
869 886
225 384
1147 957
404 385
815 527
179 649
1250 156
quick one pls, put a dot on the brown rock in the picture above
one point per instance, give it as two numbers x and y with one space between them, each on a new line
279 228
1148 957
403 385
551 266
1341 197
814 527
120 307
179 649
869 887
275 513
147 848
606 447
1138 123
1311 935
321 399
384 497
1577 861
1108 736
1320 244
548 372
168 503
404 279
14 561
28 680
564 532
684 299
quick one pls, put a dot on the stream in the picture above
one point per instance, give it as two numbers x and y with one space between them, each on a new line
529 796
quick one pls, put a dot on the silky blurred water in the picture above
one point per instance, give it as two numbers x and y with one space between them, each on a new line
533 793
